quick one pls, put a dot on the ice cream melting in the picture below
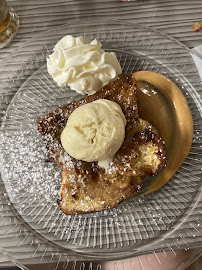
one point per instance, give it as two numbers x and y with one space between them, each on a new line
95 132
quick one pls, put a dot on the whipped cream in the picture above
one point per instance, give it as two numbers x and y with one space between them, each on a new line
82 64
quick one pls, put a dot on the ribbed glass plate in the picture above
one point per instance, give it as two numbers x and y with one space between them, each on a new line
32 182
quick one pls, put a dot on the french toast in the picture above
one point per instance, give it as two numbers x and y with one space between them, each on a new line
85 186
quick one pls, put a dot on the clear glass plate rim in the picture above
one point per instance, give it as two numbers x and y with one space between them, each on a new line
152 29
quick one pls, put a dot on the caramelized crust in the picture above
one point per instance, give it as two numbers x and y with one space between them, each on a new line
87 187
92 188
87 194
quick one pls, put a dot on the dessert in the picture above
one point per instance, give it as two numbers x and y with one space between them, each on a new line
87 187
94 131
82 64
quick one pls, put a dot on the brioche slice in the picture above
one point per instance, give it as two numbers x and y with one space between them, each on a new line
85 186
92 188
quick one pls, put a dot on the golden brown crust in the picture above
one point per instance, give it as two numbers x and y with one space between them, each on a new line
95 188
95 194
197 26
135 147
85 186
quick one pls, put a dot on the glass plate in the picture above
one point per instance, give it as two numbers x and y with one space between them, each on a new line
32 183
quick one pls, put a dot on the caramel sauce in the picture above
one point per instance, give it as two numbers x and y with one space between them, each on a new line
5 23
165 107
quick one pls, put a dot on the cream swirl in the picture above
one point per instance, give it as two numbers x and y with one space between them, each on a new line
82 64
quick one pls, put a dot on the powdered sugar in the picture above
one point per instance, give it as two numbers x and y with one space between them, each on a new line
26 167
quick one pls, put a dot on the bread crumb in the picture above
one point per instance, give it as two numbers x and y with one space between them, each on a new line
197 26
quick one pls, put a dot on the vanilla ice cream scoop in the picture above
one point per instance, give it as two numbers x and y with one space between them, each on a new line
82 64
94 131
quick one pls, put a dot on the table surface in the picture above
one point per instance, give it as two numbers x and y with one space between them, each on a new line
174 17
